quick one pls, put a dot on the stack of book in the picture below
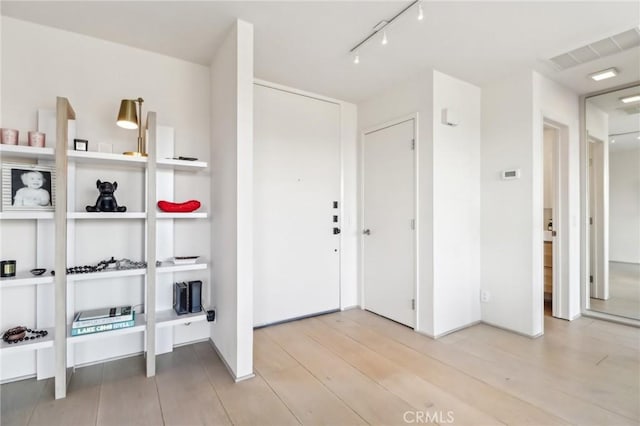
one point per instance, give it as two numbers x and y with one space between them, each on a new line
99 320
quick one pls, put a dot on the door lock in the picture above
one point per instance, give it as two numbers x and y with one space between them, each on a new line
367 232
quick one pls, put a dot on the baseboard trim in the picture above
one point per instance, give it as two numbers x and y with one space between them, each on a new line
462 327
530 336
229 369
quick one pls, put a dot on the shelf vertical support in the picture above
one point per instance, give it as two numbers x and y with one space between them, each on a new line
64 113
150 306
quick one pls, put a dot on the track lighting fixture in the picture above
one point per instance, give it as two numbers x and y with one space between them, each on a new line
382 27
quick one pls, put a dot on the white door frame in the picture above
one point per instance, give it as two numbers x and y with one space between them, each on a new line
416 248
561 262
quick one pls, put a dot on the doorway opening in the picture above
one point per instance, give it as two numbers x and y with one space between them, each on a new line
556 219
550 141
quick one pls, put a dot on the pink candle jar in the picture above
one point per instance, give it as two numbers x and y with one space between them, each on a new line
9 136
36 139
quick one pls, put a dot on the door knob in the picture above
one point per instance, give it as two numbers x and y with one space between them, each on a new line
367 232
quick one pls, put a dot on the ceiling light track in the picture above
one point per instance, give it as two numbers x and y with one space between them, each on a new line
380 26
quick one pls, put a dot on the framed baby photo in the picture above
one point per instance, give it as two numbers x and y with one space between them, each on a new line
28 187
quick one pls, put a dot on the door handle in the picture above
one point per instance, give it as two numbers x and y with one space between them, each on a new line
367 232
336 231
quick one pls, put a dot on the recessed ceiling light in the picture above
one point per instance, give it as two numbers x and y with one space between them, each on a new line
629 99
604 74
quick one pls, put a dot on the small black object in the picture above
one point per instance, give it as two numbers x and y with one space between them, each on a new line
335 204
8 268
81 145
106 201
180 298
211 315
195 296
336 231
38 271
188 158
335 219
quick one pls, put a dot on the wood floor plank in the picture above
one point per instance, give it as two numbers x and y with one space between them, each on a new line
421 394
127 396
610 387
502 405
371 401
186 395
249 402
589 403
18 400
268 356
355 367
80 407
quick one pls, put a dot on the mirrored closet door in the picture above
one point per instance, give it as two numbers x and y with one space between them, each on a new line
613 202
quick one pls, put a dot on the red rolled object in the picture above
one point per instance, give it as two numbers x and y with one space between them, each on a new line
186 207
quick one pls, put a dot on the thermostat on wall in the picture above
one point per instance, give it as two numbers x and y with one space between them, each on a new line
511 174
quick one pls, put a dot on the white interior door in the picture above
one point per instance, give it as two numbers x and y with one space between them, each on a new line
389 222
296 182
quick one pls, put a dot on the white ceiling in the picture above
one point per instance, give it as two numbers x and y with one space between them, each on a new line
305 44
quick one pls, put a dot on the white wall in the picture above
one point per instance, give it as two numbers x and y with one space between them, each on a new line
513 111
624 206
95 75
507 270
448 194
232 194
456 205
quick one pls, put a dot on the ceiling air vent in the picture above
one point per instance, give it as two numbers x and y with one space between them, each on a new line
598 49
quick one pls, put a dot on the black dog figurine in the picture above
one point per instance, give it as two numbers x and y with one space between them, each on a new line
106 202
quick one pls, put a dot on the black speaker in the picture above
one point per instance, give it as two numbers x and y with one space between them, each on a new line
195 296
180 298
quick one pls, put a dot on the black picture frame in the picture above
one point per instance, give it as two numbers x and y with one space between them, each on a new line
80 145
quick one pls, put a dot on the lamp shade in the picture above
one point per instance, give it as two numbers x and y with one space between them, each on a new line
127 117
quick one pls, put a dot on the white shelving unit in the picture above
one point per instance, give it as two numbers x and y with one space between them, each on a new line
41 343
106 215
57 232
22 151
26 279
169 318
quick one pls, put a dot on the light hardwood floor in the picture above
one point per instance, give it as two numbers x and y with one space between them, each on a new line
624 291
354 368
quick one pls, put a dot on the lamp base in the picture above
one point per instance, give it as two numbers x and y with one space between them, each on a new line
135 154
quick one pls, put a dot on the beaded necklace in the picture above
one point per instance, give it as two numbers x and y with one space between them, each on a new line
19 334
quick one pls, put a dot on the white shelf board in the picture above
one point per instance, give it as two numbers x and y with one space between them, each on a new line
26 279
22 215
22 151
104 215
191 215
106 274
95 157
168 267
169 318
139 327
181 164
41 343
